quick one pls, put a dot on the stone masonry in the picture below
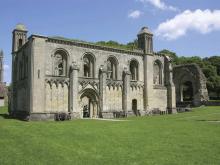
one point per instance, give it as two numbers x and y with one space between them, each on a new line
52 75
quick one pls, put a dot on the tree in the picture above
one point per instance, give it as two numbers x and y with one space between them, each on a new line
170 54
209 65
215 61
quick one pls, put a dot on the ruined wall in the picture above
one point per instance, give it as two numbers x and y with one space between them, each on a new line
114 98
56 97
136 92
159 99
190 73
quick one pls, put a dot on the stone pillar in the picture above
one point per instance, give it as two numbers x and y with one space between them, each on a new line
171 93
73 91
91 69
91 108
126 91
146 105
94 109
102 89
113 72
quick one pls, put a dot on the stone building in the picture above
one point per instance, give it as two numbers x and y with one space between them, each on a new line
190 84
52 75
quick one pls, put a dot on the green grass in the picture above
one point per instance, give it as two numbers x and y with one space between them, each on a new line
186 138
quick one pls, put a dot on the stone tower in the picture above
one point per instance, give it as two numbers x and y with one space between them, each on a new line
1 66
145 40
19 37
145 43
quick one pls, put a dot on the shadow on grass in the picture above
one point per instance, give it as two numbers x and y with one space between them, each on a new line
5 116
204 120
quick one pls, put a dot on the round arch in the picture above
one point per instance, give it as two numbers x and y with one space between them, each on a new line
112 67
88 66
157 72
60 59
134 69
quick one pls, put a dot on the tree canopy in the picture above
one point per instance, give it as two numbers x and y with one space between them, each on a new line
209 65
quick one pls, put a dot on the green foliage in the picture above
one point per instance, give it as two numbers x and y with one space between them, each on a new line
170 54
215 61
186 138
210 67
112 44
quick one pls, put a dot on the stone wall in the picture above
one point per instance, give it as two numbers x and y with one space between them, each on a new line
48 93
159 99
190 73
56 97
114 98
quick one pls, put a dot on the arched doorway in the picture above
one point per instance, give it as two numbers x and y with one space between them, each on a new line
89 104
134 106
187 91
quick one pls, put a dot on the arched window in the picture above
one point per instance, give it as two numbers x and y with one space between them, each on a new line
134 106
88 65
20 43
60 63
112 68
134 70
157 73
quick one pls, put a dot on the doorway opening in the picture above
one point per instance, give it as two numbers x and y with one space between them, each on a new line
89 104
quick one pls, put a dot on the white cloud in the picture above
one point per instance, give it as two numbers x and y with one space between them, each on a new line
203 22
6 67
159 4
135 14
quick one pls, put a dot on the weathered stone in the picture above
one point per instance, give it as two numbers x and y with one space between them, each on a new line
190 76
54 75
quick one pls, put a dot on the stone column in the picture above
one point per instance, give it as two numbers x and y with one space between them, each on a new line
94 109
126 91
91 109
73 91
91 69
102 89
145 85
113 72
171 93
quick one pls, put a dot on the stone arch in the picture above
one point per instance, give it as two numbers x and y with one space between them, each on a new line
89 103
184 75
60 62
112 67
134 69
88 65
135 106
187 91
157 72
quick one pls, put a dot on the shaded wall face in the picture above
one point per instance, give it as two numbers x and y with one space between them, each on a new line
190 84
187 91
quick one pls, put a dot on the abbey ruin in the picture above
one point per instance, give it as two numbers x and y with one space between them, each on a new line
51 75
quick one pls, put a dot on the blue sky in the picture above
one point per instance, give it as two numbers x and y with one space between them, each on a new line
188 27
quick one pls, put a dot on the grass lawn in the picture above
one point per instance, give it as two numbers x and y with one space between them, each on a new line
186 138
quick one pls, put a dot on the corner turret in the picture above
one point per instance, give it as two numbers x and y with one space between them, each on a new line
145 40
19 37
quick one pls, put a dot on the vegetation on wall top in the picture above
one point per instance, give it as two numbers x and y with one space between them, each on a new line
209 65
